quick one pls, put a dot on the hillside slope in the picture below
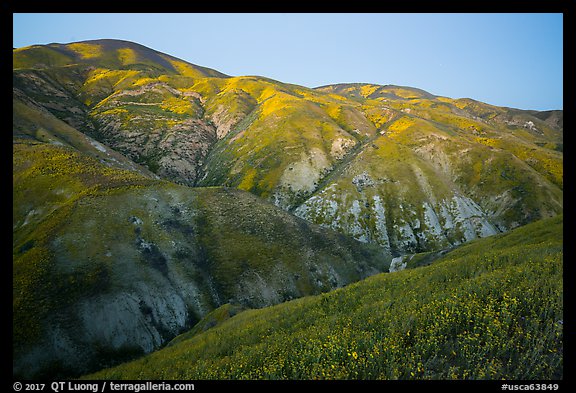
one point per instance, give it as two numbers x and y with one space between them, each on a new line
131 220
342 156
491 309
109 264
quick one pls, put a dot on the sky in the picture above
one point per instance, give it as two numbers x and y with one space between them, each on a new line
513 60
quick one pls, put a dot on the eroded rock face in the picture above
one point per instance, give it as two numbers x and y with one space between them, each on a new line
159 127
175 152
407 229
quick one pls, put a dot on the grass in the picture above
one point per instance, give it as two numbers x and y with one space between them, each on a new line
491 309
281 131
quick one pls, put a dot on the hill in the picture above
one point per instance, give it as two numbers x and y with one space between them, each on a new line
392 165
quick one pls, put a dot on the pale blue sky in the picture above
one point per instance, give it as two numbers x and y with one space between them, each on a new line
513 60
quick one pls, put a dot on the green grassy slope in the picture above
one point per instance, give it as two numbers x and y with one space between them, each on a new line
490 309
